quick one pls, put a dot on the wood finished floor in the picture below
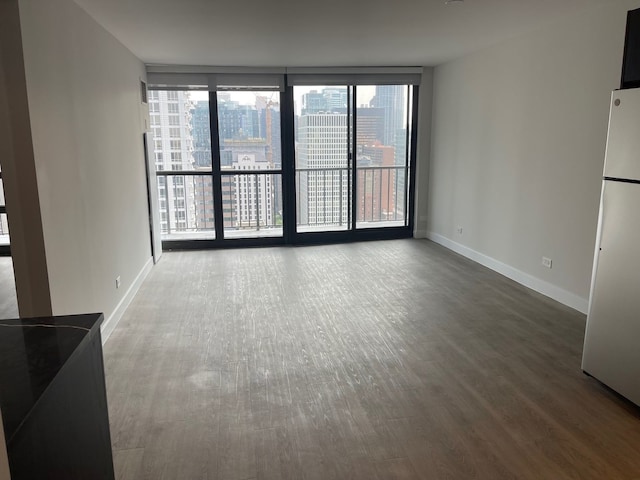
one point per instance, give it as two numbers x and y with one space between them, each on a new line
379 360
8 301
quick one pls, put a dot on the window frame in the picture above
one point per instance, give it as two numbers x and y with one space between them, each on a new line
172 81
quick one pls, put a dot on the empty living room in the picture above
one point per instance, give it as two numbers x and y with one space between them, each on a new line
319 241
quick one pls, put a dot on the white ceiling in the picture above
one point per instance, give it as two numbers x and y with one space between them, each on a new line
319 33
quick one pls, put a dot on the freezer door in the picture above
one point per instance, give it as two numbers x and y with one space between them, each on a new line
612 340
622 159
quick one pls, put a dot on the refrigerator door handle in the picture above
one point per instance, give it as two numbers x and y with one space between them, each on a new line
601 220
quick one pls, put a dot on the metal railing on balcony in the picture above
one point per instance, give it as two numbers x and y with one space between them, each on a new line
324 197
252 201
250 204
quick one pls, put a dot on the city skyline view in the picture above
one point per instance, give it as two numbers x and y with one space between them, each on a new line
365 94
250 187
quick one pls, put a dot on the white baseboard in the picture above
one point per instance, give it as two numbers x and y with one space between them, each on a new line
110 323
545 288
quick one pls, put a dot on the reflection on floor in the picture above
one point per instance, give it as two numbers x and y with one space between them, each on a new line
8 302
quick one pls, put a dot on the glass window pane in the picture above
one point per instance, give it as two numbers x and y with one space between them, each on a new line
250 205
186 207
250 140
322 158
181 130
381 155
249 130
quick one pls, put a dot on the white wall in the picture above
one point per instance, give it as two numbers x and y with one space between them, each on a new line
425 106
84 105
518 140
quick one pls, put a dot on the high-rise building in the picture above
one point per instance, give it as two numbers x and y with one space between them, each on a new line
391 98
237 121
401 160
203 193
170 118
200 132
269 114
250 197
322 161
313 102
370 127
269 121
336 98
376 187
330 99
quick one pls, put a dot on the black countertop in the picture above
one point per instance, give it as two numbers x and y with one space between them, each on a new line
32 353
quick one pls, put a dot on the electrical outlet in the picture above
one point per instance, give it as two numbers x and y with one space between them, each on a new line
546 262
459 230
118 282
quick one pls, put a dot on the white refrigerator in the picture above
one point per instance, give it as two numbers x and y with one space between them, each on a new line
612 339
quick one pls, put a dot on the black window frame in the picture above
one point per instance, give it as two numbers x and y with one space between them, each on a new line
287 171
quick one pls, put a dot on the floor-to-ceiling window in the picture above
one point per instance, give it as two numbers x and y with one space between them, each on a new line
352 156
250 163
181 145
383 115
267 162
323 158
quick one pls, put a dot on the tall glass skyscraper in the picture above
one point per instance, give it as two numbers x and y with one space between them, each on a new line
392 99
